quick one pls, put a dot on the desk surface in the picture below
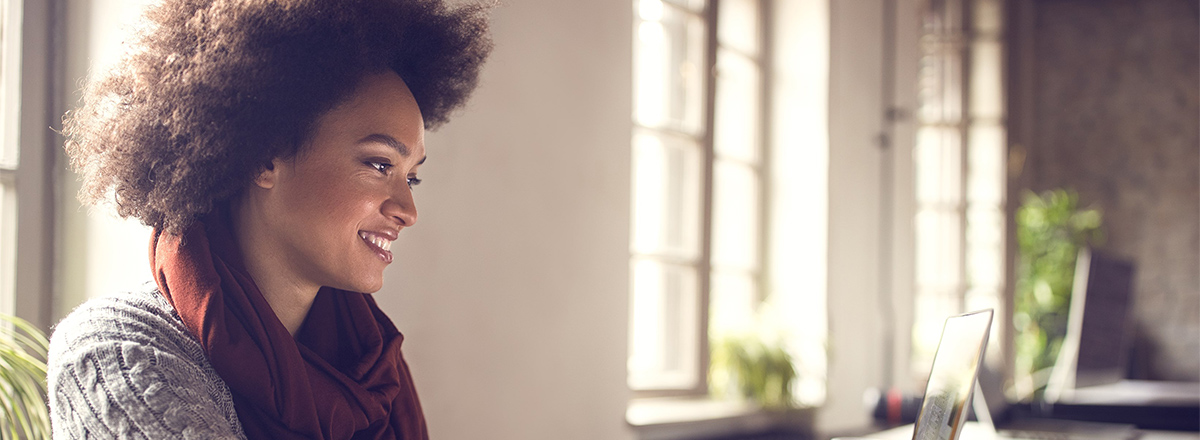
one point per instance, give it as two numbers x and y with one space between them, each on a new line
974 431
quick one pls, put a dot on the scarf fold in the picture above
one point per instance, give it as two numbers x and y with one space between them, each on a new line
342 376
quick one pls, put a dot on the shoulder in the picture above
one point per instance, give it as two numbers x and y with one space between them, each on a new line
142 317
125 366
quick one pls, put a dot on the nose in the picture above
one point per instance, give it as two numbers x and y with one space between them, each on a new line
401 207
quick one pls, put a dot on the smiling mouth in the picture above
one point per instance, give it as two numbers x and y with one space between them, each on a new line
382 246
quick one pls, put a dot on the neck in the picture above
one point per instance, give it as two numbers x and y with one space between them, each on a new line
290 298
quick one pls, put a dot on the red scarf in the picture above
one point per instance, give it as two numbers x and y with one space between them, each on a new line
342 376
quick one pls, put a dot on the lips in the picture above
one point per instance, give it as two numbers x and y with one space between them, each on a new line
378 243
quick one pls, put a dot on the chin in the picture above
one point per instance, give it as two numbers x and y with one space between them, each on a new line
361 285
371 286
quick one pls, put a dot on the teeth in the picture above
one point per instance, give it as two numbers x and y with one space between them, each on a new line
376 240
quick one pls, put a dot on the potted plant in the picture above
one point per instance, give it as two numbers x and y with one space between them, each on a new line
1051 228
23 410
751 367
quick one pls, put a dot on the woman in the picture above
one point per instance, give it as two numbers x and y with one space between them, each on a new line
273 146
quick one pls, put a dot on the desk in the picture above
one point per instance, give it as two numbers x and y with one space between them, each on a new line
973 431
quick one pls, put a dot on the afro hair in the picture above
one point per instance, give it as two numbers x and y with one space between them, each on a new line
212 90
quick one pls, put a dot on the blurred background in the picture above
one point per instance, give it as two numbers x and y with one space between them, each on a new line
647 202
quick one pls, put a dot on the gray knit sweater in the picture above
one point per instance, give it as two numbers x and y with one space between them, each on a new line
124 366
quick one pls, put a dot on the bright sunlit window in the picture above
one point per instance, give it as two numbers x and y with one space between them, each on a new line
698 198
739 172
728 230
670 149
960 171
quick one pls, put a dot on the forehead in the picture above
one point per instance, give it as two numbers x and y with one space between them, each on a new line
382 106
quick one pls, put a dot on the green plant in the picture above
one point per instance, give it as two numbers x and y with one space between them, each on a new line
749 367
23 380
1050 230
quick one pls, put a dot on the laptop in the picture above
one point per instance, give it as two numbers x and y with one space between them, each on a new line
948 394
952 378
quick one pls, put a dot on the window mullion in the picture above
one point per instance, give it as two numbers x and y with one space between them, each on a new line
964 71
706 223
764 152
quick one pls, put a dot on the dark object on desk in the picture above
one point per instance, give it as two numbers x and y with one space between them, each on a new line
1089 378
1165 418
1095 350
893 407
1148 404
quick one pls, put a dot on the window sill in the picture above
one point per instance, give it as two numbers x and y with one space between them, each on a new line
691 418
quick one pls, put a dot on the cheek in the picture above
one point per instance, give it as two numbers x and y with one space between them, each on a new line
343 202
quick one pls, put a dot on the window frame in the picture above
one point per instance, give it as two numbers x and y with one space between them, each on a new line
705 139
956 38
33 70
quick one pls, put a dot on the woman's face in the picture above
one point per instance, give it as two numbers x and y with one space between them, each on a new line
332 212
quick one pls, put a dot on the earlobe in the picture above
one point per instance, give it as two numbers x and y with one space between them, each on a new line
266 177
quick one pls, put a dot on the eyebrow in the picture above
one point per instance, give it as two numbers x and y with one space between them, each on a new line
387 140
391 142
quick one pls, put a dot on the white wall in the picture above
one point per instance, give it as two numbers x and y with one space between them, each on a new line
98 253
855 106
864 289
512 289
799 208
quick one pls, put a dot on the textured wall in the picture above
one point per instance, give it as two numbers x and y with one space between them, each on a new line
1117 118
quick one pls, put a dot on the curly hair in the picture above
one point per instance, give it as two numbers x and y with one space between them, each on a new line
213 90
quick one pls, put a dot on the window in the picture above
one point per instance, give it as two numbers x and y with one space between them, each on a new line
739 173
960 171
711 242
9 157
28 147
671 154
698 185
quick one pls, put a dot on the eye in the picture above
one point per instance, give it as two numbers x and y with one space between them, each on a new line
382 167
413 181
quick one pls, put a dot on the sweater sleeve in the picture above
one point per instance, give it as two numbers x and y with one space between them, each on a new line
124 370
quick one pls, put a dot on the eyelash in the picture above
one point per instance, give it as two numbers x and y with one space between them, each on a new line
382 167
385 168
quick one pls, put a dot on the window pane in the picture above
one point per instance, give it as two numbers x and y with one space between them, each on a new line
736 128
696 6
666 195
938 249
733 299
987 92
988 17
985 245
940 88
929 314
668 54
945 18
929 93
738 25
664 339
938 164
735 216
8 244
9 87
959 243
985 175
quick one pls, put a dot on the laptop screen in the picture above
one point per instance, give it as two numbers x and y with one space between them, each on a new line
952 378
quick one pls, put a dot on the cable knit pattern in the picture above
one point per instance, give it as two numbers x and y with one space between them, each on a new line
124 366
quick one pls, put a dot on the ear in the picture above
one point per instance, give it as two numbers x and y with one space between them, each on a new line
269 174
